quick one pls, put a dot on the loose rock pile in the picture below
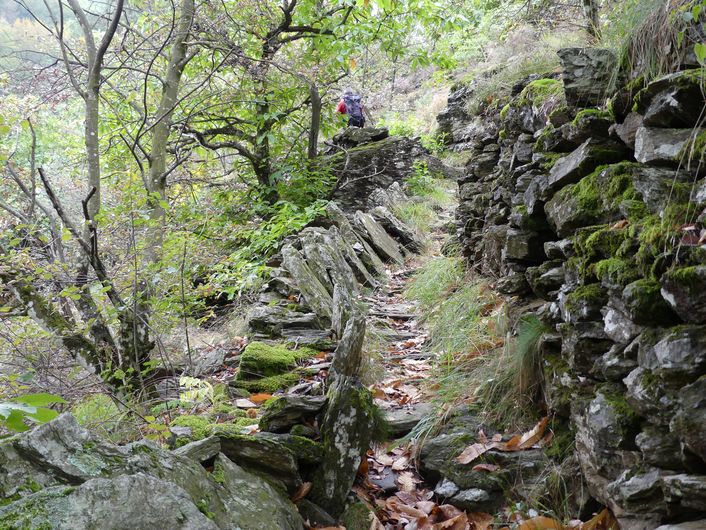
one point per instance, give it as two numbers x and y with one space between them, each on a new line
599 214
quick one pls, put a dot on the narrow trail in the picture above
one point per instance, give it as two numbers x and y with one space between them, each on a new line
390 480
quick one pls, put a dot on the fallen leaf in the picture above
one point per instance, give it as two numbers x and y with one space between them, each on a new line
260 398
425 506
541 523
302 491
485 467
532 437
251 413
603 521
620 224
407 481
401 463
473 451
481 520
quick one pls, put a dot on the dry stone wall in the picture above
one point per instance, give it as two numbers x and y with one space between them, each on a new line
596 215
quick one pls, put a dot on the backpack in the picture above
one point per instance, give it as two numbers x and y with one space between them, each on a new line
354 109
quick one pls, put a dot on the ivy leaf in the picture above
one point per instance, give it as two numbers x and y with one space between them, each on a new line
700 51
44 415
15 421
40 400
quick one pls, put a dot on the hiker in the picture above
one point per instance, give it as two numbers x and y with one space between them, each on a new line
351 105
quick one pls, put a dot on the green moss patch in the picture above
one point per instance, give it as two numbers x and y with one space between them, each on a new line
202 427
265 360
591 113
538 92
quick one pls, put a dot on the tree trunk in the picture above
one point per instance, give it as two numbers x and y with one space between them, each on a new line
590 9
315 98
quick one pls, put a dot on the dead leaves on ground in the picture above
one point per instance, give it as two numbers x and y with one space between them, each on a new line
519 442
605 520
425 514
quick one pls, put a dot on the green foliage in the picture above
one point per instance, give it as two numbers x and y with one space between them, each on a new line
651 38
417 215
244 269
435 280
540 91
16 413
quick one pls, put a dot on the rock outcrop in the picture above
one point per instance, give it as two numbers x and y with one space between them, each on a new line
585 214
59 476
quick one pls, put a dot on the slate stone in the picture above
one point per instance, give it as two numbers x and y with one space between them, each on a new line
685 291
523 245
289 410
587 74
660 147
378 238
83 482
576 165
689 422
627 130
316 295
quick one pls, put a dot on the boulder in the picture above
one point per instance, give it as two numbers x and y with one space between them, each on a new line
587 74
685 493
584 304
546 279
326 258
650 396
288 410
616 363
684 289
347 424
689 422
396 228
673 101
640 493
272 319
646 305
523 245
315 294
454 120
78 481
378 238
660 147
605 433
589 123
354 136
361 170
576 165
678 353
278 457
659 448
361 272
362 249
583 343
401 421
627 131
618 325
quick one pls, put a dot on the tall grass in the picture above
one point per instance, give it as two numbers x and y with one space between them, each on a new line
480 356
650 36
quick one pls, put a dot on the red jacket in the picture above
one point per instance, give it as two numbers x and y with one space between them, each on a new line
341 107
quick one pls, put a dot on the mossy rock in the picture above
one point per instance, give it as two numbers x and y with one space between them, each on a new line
270 384
358 516
585 303
539 91
645 304
606 195
203 427
268 367
265 360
